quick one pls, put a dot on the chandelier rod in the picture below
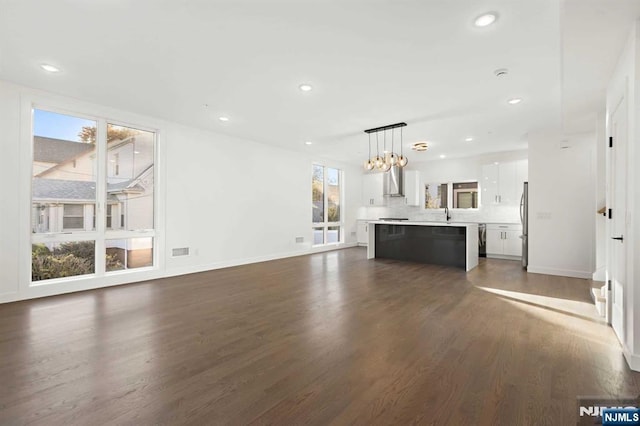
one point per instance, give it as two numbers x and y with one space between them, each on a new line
387 127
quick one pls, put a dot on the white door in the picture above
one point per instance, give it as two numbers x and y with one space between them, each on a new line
619 130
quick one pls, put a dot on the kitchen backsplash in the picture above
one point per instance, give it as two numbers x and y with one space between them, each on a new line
396 207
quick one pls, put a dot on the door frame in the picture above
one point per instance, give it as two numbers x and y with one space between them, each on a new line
612 166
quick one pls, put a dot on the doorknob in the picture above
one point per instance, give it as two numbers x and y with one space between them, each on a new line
620 238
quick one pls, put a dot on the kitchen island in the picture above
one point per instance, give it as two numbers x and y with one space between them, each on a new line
438 243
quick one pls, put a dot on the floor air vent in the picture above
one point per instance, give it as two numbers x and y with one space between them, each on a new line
182 251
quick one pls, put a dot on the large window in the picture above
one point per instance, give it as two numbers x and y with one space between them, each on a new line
326 205
92 196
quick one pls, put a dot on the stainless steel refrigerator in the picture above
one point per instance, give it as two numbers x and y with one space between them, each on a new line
524 218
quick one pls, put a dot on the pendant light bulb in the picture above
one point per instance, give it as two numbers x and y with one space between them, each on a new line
402 160
378 161
368 165
386 167
393 159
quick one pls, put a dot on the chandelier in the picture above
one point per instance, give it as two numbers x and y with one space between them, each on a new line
388 158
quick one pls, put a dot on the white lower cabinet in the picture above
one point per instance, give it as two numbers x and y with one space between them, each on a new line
363 233
503 240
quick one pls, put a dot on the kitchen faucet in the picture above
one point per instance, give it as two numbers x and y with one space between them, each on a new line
446 212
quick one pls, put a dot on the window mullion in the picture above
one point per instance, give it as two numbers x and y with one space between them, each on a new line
101 194
326 200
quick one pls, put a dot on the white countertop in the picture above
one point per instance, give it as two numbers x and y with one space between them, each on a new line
420 223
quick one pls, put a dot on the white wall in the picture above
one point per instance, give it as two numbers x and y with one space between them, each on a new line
561 204
450 170
217 195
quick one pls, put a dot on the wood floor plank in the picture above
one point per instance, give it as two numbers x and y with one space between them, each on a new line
330 338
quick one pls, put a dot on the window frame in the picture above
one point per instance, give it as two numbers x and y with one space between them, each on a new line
325 224
100 233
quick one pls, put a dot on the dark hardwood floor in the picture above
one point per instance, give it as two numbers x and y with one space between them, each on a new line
329 338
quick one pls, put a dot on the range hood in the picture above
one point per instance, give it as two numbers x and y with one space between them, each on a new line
392 183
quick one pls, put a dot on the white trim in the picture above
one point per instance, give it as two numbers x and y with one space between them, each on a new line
633 360
559 272
102 116
504 257
599 274
90 282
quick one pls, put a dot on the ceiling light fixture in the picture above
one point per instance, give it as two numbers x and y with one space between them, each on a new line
468 140
443 156
420 146
485 19
50 68
308 143
305 87
390 158
514 101
223 118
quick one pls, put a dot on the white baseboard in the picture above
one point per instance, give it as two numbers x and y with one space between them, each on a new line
91 283
504 257
239 262
600 274
633 360
559 272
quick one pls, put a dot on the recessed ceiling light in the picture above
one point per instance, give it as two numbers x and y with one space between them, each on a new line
223 118
49 68
442 156
136 152
305 87
468 139
308 143
485 19
514 101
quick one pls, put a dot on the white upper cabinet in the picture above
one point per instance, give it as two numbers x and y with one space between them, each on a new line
411 180
489 185
372 194
502 182
507 185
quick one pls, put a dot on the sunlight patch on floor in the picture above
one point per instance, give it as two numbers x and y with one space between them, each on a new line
574 315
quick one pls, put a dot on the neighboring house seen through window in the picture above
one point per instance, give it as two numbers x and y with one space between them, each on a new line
73 217
65 199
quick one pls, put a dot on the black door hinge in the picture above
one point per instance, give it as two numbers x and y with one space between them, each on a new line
610 214
610 141
609 285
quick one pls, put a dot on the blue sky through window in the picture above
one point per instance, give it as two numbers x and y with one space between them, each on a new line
58 126
332 176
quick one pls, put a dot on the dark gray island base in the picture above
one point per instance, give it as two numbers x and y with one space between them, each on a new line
425 242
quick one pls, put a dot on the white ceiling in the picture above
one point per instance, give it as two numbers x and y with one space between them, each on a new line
371 63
